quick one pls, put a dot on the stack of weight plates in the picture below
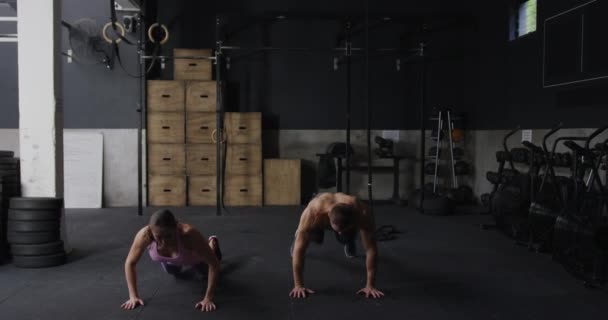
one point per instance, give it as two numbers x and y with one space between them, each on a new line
9 187
34 232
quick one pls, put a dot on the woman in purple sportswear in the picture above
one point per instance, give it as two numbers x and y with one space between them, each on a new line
178 247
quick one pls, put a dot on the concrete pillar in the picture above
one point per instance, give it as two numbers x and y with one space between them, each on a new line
40 104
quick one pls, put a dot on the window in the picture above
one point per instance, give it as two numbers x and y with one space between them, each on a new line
523 19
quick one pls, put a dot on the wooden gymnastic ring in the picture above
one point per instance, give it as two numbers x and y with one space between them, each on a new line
121 31
165 30
214 132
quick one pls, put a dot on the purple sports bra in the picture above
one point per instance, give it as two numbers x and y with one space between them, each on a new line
184 256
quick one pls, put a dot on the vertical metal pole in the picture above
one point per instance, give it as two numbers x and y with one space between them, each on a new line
218 118
348 53
142 112
422 126
369 113
450 128
437 149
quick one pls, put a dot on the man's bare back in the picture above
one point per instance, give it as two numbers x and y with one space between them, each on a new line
316 214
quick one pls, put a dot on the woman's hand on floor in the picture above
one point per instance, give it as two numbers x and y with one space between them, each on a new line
205 305
132 303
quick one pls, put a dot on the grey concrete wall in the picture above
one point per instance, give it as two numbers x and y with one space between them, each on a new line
120 158
119 162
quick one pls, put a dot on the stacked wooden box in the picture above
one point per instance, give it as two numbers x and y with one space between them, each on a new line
181 141
243 180
282 182
181 118
201 102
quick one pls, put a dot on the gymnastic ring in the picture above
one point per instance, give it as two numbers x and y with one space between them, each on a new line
214 132
121 31
165 30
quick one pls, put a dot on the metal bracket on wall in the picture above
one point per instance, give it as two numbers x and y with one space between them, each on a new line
127 6
8 37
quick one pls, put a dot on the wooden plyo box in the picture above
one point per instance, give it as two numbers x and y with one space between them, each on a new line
192 69
244 159
166 127
202 190
282 182
201 96
243 190
200 126
166 159
165 96
243 127
201 159
167 190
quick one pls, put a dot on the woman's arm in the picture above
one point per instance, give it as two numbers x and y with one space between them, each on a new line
141 241
201 246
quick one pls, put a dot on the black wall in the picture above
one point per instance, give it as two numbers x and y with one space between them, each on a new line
476 70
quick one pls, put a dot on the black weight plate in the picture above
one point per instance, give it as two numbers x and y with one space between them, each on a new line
13 172
458 153
485 199
433 204
502 156
37 249
508 175
33 215
36 203
9 166
10 194
429 168
6 154
9 160
10 189
467 193
433 152
493 177
601 238
520 155
33 226
455 195
32 237
436 205
39 261
10 184
462 168
9 178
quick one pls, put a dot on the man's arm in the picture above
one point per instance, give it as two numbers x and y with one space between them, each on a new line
299 250
368 238
301 241
371 255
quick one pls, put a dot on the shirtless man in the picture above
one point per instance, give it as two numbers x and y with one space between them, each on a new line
345 215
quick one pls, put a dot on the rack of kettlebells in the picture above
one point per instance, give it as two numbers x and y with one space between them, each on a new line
447 165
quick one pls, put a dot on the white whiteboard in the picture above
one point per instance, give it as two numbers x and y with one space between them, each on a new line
83 169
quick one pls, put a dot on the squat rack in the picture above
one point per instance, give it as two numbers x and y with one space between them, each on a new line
219 58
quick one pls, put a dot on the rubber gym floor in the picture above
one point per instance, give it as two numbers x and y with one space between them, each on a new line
437 268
